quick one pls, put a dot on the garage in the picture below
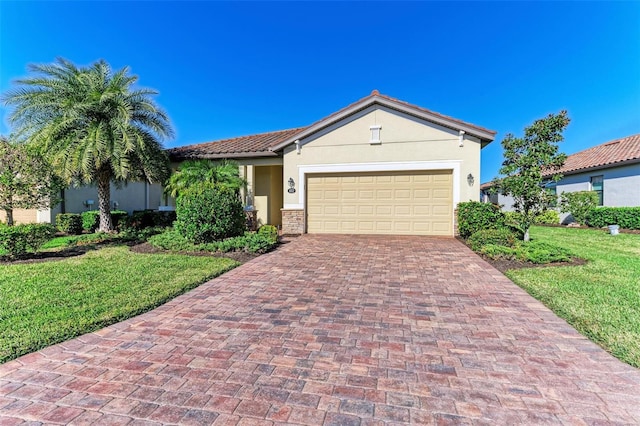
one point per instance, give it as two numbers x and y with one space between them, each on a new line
394 203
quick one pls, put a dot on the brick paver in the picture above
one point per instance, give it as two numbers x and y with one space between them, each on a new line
340 330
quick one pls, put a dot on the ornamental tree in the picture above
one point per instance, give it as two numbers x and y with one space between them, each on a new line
529 162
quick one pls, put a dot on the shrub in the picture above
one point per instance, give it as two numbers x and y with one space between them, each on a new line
118 217
269 231
474 216
498 252
579 204
250 242
540 252
91 219
501 237
19 239
209 213
141 219
69 223
625 217
548 217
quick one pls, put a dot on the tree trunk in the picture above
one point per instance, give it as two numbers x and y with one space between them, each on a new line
9 214
526 235
104 200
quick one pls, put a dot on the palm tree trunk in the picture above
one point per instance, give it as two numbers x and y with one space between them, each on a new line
104 199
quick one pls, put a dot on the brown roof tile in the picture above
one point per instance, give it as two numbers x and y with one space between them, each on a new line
243 146
610 153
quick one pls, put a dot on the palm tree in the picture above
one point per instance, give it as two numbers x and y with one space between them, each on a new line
193 172
92 125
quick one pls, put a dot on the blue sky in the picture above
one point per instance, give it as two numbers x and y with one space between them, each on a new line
231 69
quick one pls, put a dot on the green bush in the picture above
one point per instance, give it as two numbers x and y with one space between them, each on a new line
141 219
118 217
250 242
69 223
502 237
625 217
20 239
209 213
548 217
579 204
474 216
91 219
498 252
269 231
540 253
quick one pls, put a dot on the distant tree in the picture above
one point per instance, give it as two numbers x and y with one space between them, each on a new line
92 126
527 163
27 181
197 172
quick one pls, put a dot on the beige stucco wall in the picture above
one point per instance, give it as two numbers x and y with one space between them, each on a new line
21 216
407 143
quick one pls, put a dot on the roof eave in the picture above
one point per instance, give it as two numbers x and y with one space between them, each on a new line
599 167
485 136
232 155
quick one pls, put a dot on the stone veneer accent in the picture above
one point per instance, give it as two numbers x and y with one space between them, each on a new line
292 221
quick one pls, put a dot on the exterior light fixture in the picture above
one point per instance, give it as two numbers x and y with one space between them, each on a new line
292 185
470 179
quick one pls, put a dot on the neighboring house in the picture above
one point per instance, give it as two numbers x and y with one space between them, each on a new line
611 169
377 166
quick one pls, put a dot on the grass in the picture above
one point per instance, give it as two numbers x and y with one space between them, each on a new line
601 299
73 240
48 302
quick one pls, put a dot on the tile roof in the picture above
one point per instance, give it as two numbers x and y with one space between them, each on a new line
244 146
608 154
267 144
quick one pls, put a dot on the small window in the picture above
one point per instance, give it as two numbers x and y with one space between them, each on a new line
375 134
597 185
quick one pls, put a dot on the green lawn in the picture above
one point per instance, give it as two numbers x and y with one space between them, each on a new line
600 299
49 302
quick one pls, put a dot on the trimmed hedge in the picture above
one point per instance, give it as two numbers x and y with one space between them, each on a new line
474 216
69 223
625 217
209 213
91 219
20 239
141 219
250 242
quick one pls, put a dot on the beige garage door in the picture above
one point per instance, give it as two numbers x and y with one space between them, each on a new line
408 203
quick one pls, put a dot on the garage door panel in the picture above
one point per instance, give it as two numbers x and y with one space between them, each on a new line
381 203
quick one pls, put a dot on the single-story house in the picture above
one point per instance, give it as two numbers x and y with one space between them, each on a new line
377 166
612 169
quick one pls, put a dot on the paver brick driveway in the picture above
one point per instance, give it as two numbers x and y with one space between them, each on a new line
337 330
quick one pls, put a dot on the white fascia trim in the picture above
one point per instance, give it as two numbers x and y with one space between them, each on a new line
303 170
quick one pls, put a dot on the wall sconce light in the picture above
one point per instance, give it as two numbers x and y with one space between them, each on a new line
470 179
115 205
88 203
292 185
